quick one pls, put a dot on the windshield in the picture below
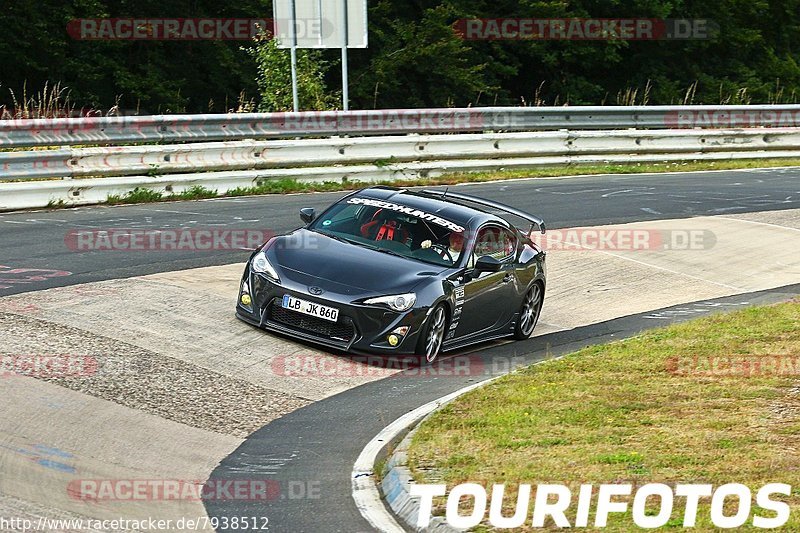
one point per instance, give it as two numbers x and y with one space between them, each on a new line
395 229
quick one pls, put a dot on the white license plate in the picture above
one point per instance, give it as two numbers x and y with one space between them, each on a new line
310 308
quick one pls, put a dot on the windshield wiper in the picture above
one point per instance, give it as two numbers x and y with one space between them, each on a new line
335 237
388 251
356 243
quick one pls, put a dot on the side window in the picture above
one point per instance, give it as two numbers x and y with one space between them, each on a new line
496 242
509 243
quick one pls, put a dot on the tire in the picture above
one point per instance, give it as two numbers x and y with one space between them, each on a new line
529 312
429 345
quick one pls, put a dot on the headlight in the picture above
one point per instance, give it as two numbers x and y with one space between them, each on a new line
398 302
262 265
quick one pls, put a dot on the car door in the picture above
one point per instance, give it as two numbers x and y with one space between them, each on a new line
488 296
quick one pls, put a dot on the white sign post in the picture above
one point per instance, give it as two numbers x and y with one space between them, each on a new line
321 24
293 53
345 95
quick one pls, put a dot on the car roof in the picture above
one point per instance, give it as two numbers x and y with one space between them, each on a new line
459 213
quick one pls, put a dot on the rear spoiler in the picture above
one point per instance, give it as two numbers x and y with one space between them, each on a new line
533 219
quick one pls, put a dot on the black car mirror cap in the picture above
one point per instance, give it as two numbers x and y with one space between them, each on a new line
487 263
307 214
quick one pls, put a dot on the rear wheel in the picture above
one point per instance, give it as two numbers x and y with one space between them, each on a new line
430 342
529 312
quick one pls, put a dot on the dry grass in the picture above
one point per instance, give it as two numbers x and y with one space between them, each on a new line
52 101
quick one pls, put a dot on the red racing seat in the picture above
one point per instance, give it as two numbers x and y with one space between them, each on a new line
379 230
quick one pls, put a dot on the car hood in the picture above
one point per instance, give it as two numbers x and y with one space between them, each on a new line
312 258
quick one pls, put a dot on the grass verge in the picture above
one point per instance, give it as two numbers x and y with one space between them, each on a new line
659 407
285 186
141 195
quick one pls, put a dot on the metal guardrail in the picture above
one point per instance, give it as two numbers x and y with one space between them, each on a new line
153 160
190 128
230 151
33 194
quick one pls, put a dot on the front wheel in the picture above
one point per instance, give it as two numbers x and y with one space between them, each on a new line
529 312
430 342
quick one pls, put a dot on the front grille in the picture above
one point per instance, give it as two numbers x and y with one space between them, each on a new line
324 328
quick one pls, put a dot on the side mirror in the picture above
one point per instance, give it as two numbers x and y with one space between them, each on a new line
487 263
307 214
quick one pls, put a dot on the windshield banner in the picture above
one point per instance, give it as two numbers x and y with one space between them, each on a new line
430 217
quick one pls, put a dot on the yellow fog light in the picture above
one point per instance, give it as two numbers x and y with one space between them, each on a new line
246 300
393 340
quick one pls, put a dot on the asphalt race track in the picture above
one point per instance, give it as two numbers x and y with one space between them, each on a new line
311 451
36 240
173 310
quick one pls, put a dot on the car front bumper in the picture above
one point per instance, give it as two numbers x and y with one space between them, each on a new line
359 328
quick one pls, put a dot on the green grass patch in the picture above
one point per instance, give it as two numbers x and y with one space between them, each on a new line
142 195
287 185
284 186
198 192
56 204
139 195
626 413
